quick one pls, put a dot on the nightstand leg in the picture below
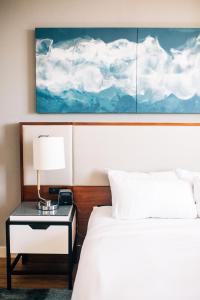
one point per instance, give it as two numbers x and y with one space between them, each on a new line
70 281
74 251
8 256
70 256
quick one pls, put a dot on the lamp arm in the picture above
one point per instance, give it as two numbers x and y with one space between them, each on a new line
38 181
43 200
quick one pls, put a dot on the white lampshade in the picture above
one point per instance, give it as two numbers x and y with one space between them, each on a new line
48 153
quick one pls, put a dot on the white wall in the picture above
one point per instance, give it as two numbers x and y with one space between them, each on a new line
18 18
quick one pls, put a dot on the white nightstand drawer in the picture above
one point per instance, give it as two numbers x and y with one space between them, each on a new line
52 240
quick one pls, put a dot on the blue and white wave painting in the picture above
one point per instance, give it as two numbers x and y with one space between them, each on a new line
117 70
86 70
168 71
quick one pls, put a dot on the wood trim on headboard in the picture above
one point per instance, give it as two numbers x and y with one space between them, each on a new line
86 197
132 124
21 161
111 123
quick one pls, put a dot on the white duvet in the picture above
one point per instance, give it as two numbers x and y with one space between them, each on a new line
150 259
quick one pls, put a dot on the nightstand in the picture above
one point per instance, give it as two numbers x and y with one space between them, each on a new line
30 231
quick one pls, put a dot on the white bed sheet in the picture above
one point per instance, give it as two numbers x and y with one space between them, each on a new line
150 259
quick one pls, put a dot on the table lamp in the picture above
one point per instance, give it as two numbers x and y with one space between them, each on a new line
48 154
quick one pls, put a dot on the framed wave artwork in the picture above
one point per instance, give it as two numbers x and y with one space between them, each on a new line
117 70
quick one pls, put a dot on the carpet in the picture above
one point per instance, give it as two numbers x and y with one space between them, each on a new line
35 294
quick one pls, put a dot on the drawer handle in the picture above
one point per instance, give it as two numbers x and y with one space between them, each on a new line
39 226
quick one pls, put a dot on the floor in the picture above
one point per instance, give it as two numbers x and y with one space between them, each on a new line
34 281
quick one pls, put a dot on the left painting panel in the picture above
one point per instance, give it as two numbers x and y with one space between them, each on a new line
86 70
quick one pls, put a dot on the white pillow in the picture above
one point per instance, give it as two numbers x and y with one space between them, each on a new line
194 178
196 189
144 197
187 175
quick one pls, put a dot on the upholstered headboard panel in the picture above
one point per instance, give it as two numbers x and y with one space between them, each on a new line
92 147
141 148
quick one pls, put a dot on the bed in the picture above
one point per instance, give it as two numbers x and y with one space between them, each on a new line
144 259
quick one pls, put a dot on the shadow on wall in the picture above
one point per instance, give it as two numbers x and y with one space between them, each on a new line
30 40
10 173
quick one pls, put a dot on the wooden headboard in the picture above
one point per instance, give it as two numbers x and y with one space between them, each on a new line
93 147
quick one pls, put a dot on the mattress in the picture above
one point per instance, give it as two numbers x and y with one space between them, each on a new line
144 259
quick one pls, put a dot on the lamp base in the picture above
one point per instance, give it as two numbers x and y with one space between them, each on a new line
49 205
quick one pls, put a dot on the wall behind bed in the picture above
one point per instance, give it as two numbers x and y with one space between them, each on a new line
18 18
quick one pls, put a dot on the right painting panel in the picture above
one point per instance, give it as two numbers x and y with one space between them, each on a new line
168 70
